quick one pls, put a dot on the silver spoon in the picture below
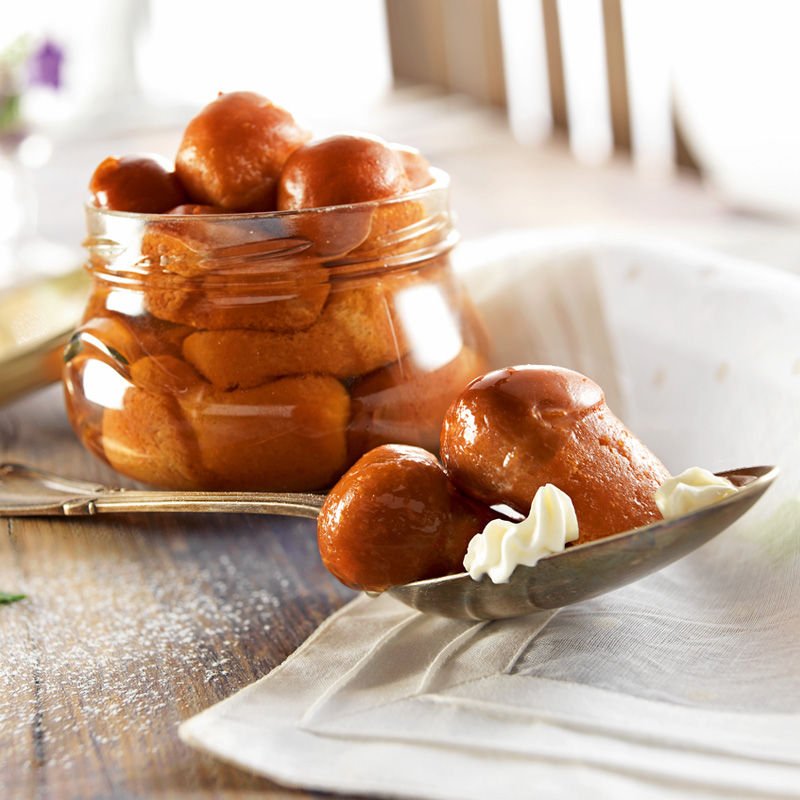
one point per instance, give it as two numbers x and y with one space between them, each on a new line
578 573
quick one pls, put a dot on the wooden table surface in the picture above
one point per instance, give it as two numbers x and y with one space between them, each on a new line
133 624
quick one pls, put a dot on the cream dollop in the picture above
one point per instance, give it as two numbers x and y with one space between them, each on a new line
503 545
694 488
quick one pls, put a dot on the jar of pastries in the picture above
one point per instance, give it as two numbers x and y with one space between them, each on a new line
269 350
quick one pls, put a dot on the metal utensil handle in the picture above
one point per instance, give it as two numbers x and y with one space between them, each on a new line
122 501
30 492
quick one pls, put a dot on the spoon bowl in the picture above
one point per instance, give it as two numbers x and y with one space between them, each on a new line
578 573
587 570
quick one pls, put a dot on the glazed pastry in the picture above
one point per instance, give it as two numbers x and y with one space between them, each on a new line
208 304
394 231
405 402
355 334
346 169
165 375
150 440
233 151
394 518
144 184
288 435
330 233
341 170
417 167
516 429
215 276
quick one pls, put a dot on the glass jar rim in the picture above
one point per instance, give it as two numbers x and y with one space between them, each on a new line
441 184
347 240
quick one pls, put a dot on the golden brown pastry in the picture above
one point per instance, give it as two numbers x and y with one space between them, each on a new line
150 440
345 169
405 402
417 167
144 184
355 334
394 518
233 151
287 435
215 276
330 233
165 375
207 304
515 429
341 170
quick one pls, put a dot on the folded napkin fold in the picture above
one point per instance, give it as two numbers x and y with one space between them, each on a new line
684 684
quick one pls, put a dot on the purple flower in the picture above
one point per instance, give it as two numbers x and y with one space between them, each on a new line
44 66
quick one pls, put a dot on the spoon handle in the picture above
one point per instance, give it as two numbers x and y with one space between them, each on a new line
126 501
27 492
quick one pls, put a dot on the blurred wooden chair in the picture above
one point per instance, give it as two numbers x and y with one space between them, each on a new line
559 68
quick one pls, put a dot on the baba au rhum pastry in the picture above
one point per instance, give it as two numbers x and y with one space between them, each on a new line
517 429
289 434
132 336
354 335
213 275
193 209
350 169
233 151
538 439
149 440
341 170
140 183
173 428
395 518
148 437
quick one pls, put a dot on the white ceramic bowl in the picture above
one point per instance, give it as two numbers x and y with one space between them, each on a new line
735 68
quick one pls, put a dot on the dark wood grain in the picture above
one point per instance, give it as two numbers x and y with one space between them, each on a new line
133 624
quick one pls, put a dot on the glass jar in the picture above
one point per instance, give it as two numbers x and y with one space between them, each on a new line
269 351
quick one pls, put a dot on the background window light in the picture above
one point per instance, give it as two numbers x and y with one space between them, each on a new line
525 67
584 55
647 55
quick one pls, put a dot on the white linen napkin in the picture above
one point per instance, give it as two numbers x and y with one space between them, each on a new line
684 684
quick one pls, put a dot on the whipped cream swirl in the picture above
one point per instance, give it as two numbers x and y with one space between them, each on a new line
503 545
693 489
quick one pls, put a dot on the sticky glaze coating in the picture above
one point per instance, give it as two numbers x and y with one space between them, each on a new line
515 429
341 170
140 183
233 151
394 518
